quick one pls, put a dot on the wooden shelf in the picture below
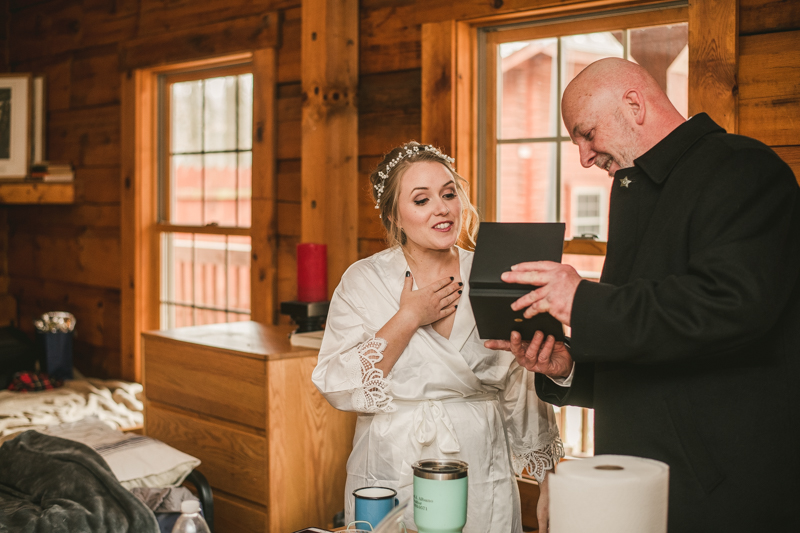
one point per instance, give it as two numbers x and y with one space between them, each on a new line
26 192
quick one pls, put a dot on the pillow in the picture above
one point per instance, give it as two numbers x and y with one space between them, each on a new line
135 460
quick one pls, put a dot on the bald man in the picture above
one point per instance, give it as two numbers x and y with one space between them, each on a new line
688 348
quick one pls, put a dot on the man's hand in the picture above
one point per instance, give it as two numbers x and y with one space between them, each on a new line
556 284
540 355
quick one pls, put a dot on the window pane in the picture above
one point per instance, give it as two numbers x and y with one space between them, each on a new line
245 188
238 275
584 194
526 182
664 52
220 189
527 89
588 205
186 205
209 272
177 277
220 114
205 279
176 316
584 207
245 111
576 427
582 50
573 432
579 51
186 116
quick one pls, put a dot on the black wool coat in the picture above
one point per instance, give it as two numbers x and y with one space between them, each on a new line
689 347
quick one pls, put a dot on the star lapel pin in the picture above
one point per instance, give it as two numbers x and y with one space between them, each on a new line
624 182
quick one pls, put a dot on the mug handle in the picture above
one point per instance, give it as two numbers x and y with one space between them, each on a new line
358 522
396 502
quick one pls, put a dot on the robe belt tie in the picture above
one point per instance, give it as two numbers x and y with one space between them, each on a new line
431 422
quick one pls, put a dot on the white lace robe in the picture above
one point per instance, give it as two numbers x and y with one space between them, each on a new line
444 398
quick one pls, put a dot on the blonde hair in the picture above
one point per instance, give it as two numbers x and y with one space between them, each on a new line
386 190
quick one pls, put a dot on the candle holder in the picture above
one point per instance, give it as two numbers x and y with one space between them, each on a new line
309 316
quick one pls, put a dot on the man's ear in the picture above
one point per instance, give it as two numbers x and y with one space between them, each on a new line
635 102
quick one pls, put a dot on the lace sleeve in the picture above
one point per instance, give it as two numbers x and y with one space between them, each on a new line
539 458
370 388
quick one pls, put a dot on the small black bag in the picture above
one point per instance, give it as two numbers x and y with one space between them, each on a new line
17 354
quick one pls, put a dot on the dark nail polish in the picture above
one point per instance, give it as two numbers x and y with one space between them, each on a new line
459 292
456 307
408 273
460 284
451 278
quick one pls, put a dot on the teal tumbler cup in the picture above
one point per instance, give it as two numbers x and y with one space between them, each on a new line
440 495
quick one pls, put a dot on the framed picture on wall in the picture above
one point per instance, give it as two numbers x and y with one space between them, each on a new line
15 124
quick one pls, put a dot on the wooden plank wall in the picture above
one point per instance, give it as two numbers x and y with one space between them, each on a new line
69 256
769 75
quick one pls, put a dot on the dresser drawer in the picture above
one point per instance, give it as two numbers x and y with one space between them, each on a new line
207 380
233 461
239 517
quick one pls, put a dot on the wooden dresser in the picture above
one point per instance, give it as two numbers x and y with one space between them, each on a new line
239 397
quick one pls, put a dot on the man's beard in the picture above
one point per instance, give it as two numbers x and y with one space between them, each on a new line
627 142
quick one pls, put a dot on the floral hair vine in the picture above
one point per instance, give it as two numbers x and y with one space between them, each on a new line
406 151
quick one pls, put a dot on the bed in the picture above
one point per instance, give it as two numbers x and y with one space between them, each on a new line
97 424
118 404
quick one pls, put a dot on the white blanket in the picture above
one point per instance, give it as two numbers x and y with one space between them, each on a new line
116 403
136 461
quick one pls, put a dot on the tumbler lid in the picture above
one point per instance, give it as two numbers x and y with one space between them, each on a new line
440 469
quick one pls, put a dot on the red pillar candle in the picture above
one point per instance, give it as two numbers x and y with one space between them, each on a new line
312 272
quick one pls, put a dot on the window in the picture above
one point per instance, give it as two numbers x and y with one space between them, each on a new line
204 193
528 168
589 216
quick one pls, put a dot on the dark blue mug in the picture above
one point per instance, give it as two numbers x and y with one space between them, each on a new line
374 503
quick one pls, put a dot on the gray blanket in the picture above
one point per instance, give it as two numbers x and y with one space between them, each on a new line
53 485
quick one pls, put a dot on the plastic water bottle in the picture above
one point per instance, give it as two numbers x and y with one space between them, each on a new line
190 520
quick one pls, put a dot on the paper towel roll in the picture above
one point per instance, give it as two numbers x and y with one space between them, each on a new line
609 494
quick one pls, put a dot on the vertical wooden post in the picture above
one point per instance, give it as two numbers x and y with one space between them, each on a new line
264 231
466 106
129 241
713 61
448 106
139 247
329 167
438 84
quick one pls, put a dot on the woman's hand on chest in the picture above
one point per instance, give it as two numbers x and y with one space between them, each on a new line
431 303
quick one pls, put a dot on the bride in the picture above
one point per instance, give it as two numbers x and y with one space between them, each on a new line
401 349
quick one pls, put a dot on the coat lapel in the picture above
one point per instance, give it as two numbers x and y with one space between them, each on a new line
622 223
464 321
631 211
